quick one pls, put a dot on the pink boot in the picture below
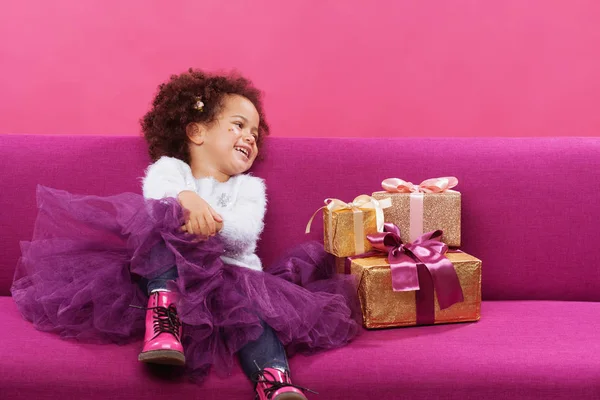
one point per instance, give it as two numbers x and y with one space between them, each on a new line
273 384
162 342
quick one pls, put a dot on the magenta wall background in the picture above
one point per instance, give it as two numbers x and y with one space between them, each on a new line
329 68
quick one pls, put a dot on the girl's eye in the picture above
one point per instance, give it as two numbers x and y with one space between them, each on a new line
239 124
255 136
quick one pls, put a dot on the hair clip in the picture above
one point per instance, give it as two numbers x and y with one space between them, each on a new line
199 105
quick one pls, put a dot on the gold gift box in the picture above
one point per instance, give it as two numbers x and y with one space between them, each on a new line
341 241
384 308
440 211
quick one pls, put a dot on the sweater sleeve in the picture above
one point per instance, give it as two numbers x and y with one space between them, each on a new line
167 177
243 223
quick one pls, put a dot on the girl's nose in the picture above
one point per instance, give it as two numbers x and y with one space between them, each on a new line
250 138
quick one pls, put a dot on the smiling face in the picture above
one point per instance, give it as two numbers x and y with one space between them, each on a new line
227 146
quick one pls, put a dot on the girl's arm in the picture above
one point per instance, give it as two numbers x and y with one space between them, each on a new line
167 177
170 177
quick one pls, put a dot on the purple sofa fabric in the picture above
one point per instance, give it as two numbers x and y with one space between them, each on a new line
530 211
519 350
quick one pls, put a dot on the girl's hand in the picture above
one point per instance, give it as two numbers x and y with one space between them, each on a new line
203 220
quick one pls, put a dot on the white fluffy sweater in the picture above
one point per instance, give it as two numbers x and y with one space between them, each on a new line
241 201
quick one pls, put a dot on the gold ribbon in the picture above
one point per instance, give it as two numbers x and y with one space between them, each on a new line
358 205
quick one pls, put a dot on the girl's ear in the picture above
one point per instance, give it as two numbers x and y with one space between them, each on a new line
195 132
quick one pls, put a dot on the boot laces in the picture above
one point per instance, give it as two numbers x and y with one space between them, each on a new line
165 319
267 377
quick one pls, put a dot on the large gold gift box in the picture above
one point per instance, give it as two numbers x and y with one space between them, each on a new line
345 227
440 211
384 308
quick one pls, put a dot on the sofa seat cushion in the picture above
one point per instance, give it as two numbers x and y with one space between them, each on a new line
519 350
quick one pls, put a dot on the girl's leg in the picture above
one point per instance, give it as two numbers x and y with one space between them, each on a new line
265 352
160 282
163 260
162 341
264 361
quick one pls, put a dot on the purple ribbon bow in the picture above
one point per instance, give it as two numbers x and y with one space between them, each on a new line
420 266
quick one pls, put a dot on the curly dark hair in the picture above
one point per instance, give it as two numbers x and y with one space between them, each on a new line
164 126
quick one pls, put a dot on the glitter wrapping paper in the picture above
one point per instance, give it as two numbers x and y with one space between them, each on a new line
440 211
343 234
384 308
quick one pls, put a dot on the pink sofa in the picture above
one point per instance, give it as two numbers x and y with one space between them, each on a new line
531 210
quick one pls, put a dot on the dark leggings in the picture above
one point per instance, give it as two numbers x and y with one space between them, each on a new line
265 352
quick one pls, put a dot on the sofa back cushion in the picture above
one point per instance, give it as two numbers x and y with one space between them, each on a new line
530 206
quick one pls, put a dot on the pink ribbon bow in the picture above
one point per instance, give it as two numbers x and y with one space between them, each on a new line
420 266
433 185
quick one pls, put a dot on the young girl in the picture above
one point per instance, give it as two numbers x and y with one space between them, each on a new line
179 263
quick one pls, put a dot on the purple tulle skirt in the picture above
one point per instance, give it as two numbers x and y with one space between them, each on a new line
80 275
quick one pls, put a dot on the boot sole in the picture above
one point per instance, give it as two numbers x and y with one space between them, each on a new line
163 357
290 396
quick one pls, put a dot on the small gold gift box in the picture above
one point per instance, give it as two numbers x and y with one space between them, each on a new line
346 225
